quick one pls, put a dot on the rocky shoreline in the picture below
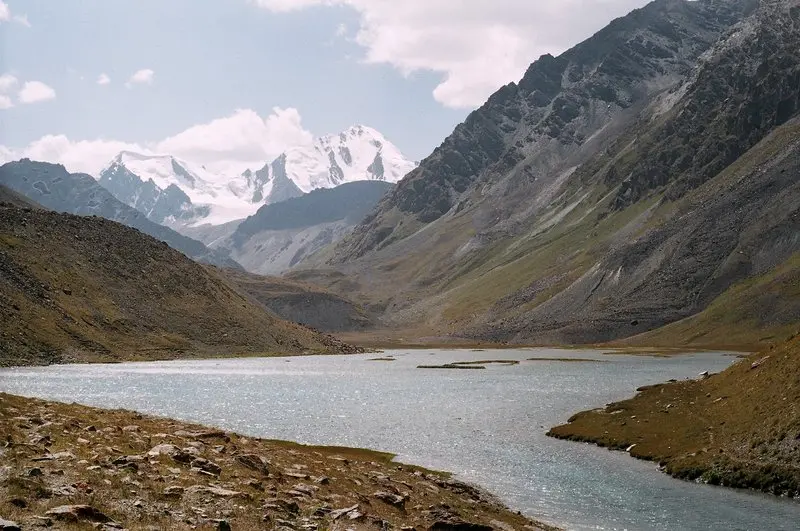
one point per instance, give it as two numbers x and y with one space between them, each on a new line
67 466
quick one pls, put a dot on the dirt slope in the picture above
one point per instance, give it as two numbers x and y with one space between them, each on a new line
84 288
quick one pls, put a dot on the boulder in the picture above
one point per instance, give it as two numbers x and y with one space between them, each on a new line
253 462
77 513
163 449
8 525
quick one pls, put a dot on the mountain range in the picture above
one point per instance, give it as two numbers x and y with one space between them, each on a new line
53 187
641 178
179 194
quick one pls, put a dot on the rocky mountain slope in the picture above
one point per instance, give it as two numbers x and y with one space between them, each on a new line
303 303
88 289
629 183
180 194
7 195
55 188
281 235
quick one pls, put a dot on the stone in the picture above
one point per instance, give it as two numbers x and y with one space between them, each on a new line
338 513
207 466
77 513
458 525
163 449
253 462
216 491
174 491
8 525
392 499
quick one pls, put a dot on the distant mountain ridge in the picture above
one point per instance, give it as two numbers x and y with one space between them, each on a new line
52 186
177 193
281 235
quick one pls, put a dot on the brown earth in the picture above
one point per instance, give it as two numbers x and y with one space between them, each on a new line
738 428
301 302
74 467
76 289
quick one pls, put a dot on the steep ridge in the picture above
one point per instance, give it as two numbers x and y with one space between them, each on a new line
55 188
87 289
561 112
281 235
598 245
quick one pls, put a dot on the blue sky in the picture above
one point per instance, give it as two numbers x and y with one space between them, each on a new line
412 69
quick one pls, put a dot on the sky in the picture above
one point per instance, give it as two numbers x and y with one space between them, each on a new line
233 83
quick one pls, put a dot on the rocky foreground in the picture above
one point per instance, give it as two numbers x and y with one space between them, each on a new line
74 467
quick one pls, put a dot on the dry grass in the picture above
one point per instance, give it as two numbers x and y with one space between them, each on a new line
739 428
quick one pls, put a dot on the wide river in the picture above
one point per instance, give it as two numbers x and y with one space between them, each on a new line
487 426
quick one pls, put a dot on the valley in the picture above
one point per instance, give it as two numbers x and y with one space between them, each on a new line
630 203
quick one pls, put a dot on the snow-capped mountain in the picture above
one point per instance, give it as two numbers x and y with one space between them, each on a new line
178 193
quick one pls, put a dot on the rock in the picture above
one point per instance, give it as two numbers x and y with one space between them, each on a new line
458 525
207 466
77 513
174 491
8 525
392 499
163 449
338 513
132 428
216 491
253 462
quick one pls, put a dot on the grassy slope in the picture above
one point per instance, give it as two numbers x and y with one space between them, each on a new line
751 314
739 428
86 289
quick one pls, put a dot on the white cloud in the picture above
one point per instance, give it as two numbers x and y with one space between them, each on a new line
227 145
22 19
7 82
241 140
85 156
36 91
103 79
144 76
5 15
477 46
5 102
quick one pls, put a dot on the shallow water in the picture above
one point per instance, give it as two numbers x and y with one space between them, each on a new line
487 426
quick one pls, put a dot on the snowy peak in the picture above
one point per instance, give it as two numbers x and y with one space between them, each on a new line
176 192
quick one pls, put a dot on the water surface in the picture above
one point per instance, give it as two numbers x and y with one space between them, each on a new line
487 426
